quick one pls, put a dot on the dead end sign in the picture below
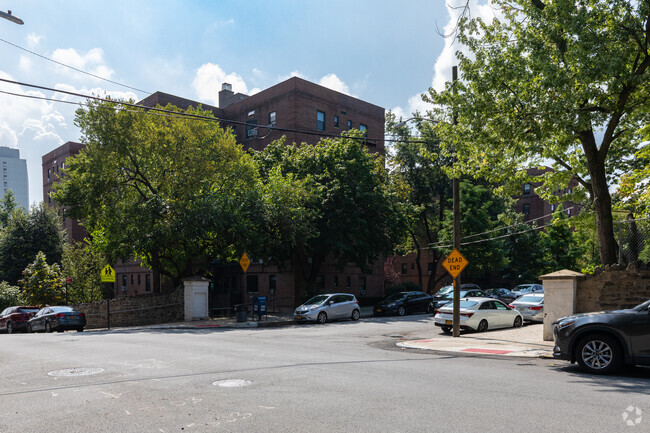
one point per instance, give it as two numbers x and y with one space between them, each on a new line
455 263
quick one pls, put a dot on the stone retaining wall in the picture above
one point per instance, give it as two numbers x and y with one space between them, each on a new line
136 311
614 287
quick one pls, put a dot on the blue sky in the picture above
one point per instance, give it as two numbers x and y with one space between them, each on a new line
384 52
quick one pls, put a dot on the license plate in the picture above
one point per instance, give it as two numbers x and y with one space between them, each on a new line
448 322
72 317
298 317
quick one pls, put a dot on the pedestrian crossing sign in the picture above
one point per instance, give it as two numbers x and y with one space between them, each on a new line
108 274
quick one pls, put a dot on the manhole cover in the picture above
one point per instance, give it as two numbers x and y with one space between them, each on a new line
232 383
75 372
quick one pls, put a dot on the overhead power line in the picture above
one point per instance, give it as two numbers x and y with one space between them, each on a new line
180 114
72 67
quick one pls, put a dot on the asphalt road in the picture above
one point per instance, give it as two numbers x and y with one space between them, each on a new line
340 377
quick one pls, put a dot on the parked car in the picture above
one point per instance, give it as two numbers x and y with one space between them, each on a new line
446 295
524 289
59 318
14 319
530 306
403 303
479 314
602 342
502 294
330 306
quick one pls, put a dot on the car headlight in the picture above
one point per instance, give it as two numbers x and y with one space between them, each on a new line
564 323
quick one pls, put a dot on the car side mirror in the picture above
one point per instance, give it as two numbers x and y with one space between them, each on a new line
330 302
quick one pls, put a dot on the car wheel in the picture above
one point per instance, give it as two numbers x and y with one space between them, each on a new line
518 322
482 326
401 310
599 354
10 328
355 315
322 317
48 327
446 329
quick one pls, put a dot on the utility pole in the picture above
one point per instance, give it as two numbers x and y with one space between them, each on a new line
456 195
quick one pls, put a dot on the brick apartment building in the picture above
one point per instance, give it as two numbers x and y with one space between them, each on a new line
303 112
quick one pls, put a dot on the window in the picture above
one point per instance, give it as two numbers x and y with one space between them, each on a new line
124 281
526 209
251 128
363 128
348 282
404 268
412 266
362 284
138 279
552 208
349 124
430 267
147 283
131 278
526 189
320 120
272 284
272 118
335 283
49 174
336 121
320 282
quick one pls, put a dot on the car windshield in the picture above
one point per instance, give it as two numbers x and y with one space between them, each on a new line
524 289
464 303
643 306
445 291
316 300
531 299
396 297
28 310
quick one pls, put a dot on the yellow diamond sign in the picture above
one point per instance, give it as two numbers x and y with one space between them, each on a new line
455 263
108 274
245 262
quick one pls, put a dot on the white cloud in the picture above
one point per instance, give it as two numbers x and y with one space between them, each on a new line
94 91
331 81
33 40
25 63
208 80
91 62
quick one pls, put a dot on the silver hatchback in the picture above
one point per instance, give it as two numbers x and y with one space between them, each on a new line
329 306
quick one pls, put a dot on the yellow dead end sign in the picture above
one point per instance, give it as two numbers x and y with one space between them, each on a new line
455 263
245 262
108 274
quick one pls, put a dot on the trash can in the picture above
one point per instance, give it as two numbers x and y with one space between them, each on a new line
259 306
241 312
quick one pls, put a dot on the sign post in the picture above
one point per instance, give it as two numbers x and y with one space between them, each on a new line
454 264
108 276
245 263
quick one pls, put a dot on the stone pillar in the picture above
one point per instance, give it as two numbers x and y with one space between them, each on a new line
196 298
559 297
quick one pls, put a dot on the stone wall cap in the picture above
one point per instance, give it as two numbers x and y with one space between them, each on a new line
561 275
196 278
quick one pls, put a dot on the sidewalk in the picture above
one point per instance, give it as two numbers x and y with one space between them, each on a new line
526 342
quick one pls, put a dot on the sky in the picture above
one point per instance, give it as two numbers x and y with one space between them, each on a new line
384 52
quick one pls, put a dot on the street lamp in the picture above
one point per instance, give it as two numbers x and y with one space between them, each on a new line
8 16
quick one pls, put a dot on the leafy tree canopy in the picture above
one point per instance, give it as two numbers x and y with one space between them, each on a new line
560 81
83 262
174 191
42 284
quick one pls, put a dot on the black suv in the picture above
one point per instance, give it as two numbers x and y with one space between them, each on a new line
603 342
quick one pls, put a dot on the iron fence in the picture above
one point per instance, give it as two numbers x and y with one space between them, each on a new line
633 240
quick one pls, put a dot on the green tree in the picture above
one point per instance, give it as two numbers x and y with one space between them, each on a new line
83 262
175 191
418 163
525 253
348 208
634 189
42 283
565 81
560 244
9 295
26 235
8 206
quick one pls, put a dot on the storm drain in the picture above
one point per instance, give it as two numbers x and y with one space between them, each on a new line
232 383
75 372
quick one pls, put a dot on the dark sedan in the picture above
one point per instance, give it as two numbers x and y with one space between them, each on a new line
403 303
446 295
14 319
58 319
603 342
502 294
